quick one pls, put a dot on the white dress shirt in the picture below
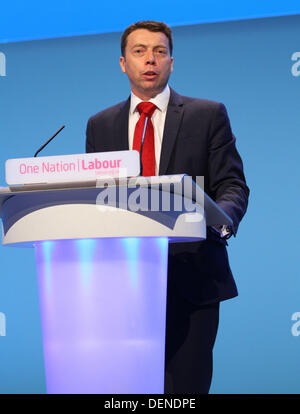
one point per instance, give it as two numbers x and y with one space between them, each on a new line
158 120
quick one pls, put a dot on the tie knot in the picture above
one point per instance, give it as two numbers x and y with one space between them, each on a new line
146 108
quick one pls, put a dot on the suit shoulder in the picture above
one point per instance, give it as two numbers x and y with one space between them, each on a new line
201 103
108 113
209 108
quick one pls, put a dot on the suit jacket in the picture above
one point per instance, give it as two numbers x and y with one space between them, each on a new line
197 141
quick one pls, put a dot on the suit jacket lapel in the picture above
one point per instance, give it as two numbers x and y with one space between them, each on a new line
171 129
121 128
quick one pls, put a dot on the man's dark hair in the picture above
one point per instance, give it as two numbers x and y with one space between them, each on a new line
150 25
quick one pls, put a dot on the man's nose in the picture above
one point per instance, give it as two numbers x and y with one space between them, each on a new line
150 57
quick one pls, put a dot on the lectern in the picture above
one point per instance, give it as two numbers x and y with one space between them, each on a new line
101 254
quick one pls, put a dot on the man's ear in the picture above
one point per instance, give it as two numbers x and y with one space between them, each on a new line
172 60
122 64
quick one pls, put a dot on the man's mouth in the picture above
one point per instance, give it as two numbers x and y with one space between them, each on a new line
150 74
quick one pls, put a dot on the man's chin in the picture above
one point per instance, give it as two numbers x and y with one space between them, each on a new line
152 90
147 90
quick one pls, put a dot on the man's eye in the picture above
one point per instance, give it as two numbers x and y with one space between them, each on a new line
161 51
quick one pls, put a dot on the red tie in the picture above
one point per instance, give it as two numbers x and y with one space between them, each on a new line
146 110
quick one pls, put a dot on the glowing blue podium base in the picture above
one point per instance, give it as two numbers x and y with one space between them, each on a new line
102 275
103 309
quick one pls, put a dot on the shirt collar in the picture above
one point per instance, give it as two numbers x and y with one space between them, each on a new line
161 100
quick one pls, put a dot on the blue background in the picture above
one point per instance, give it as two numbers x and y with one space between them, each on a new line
245 64
31 19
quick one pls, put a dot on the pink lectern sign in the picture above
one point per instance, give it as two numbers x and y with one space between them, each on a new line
76 167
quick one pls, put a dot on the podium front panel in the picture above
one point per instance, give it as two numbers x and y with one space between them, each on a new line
103 309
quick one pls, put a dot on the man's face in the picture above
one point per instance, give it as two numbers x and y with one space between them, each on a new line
147 62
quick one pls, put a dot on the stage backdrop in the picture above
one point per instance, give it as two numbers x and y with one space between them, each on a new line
32 19
254 68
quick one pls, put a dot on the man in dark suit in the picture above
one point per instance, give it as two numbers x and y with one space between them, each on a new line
192 136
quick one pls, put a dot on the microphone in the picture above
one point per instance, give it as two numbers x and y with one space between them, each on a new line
142 143
50 139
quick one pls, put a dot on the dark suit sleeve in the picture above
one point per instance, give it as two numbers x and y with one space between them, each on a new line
226 177
90 140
